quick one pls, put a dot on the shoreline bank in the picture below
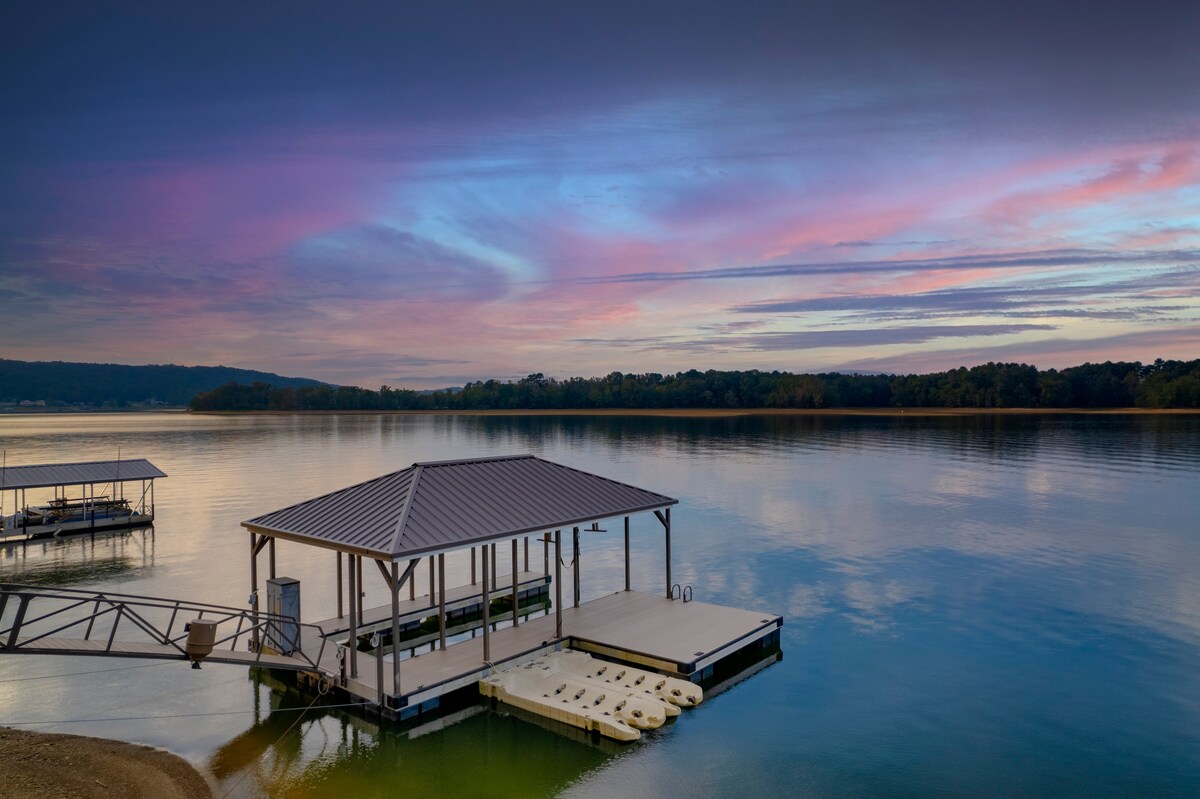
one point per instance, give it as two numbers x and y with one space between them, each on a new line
44 764
729 412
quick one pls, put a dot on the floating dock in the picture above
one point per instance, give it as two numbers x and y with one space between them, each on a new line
431 510
586 664
91 511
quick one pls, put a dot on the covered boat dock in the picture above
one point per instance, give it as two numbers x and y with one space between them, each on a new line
90 511
489 508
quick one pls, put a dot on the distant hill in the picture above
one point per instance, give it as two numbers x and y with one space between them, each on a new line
117 385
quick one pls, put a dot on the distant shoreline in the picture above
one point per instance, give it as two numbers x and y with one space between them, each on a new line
717 413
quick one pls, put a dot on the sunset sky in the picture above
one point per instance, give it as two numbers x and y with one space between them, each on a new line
426 193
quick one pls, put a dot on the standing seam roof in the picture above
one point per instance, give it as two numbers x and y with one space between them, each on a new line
444 505
82 473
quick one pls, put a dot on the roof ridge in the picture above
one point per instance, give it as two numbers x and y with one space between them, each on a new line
418 469
487 459
76 463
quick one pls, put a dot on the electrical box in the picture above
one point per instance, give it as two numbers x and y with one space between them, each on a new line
283 599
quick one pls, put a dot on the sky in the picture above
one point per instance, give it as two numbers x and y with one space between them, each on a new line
421 194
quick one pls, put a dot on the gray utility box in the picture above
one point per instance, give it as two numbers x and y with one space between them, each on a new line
283 599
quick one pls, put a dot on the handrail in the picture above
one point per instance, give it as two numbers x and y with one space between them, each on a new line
137 609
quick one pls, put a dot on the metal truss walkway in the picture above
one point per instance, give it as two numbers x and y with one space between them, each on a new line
66 621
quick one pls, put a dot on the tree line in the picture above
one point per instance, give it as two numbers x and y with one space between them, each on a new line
1162 384
114 385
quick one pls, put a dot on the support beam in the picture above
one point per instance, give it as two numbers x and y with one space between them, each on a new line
254 548
395 592
575 562
339 585
667 525
442 601
514 581
354 616
431 565
558 583
626 553
484 602
359 592
526 553
271 557
474 580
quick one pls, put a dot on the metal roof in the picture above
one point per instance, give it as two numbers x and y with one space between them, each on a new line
73 474
439 506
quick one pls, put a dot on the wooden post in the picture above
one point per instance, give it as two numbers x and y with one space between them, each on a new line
526 553
442 600
575 562
354 591
254 591
339 584
667 525
395 630
473 580
514 581
483 598
431 565
271 556
626 553
358 594
558 583
495 561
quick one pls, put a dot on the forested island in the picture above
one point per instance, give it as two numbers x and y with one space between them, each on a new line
1162 384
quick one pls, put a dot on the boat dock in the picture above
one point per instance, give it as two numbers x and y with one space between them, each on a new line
512 637
90 511
431 510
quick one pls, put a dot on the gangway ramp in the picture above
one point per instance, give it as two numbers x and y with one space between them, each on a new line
37 620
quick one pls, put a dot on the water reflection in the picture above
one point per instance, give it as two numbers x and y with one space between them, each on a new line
1002 605
73 560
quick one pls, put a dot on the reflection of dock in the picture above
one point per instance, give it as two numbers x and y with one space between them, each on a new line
432 509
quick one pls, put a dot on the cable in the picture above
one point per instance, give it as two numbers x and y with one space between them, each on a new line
291 727
177 715
80 673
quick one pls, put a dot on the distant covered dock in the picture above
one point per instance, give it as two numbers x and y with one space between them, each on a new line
87 512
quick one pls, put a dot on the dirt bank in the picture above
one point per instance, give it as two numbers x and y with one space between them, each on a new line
42 765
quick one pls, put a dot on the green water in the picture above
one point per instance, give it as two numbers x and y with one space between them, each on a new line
974 606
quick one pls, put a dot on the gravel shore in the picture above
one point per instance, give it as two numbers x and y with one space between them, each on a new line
42 765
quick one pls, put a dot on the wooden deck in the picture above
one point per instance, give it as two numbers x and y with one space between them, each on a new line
672 636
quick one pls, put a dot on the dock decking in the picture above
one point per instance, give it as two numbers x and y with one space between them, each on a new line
676 637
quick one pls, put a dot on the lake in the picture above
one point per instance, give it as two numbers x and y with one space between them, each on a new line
974 605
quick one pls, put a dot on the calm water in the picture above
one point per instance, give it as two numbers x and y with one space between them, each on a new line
980 606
